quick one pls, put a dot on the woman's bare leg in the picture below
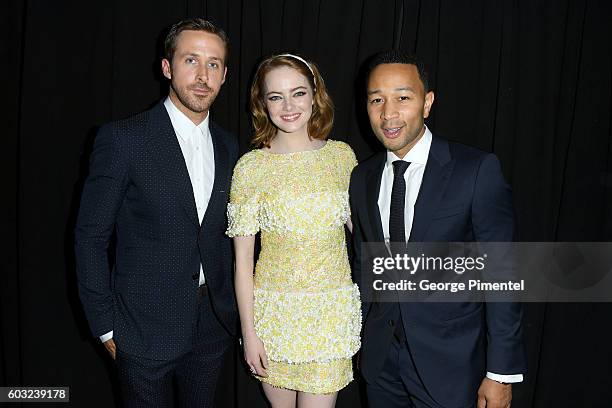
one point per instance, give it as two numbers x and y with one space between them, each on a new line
279 397
308 400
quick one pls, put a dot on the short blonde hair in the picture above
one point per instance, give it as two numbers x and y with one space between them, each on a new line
322 118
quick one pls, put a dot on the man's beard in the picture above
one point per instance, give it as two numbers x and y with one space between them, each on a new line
193 102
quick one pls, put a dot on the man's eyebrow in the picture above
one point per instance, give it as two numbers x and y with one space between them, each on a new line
401 88
196 54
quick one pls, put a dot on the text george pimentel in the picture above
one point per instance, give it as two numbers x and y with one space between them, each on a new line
426 285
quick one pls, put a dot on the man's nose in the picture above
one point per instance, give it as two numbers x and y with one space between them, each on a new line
202 74
388 111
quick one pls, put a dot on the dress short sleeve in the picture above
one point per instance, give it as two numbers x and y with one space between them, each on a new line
351 160
243 208
348 161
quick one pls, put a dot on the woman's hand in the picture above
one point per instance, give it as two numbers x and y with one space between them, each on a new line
255 355
349 225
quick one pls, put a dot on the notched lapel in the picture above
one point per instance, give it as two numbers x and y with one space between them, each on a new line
167 154
435 179
372 192
219 193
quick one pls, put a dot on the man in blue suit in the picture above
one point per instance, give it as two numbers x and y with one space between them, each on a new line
160 180
426 189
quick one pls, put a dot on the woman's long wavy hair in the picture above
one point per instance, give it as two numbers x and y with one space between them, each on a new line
322 118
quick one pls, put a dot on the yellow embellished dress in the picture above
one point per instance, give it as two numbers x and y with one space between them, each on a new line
306 307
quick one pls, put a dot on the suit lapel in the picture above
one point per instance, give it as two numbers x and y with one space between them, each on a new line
435 178
164 147
372 192
221 175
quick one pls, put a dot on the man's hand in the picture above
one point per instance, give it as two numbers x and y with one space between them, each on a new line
110 347
492 394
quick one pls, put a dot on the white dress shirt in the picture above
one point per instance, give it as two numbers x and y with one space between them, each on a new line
197 148
417 157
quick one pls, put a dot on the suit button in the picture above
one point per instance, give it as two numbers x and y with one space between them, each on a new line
391 323
195 276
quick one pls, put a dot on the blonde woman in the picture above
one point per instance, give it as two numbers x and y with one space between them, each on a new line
299 309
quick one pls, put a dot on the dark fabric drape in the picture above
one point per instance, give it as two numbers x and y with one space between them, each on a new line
528 80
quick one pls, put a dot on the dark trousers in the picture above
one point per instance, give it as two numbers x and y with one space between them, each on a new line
398 385
193 376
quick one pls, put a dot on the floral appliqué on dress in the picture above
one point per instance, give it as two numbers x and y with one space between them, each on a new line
306 307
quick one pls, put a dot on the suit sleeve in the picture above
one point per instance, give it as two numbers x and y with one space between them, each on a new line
101 199
357 240
234 149
493 221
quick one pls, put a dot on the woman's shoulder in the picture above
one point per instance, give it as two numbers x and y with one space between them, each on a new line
250 158
249 162
339 145
343 150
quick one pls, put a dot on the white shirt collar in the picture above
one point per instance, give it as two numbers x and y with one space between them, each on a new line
418 154
183 126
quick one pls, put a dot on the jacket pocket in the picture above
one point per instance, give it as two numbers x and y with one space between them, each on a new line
448 211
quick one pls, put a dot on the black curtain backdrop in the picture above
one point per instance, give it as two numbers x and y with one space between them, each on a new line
528 80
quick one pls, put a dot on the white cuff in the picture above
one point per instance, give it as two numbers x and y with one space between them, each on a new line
106 337
505 378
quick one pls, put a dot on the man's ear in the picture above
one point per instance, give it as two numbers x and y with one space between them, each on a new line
429 100
166 69
224 75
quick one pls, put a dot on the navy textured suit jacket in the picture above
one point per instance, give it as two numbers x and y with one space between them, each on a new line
463 198
138 186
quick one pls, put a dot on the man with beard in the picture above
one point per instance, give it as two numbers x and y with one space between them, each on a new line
160 181
426 189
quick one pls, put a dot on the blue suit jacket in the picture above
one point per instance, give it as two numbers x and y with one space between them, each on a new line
463 197
138 186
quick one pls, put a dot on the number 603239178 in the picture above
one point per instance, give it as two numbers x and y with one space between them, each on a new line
13 394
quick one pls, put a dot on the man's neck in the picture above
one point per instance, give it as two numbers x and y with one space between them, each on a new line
401 153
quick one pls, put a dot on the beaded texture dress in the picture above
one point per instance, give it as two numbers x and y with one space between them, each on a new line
306 307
